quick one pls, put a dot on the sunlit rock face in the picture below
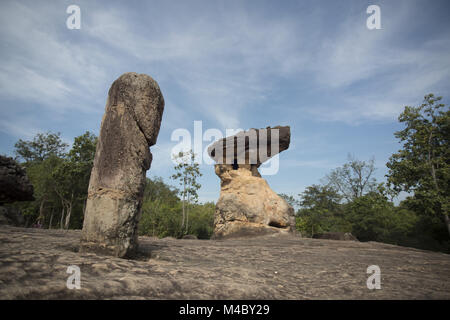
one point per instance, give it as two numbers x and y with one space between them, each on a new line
129 127
247 206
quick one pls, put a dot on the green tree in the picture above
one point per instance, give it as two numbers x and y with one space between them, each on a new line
83 149
41 147
161 213
353 179
160 210
320 196
160 219
41 177
71 177
60 179
320 211
422 166
291 200
157 190
374 218
41 155
187 172
202 220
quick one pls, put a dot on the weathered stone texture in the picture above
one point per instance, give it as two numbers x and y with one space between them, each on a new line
34 266
247 206
129 127
246 145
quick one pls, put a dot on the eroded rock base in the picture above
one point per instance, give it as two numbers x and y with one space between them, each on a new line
115 225
247 206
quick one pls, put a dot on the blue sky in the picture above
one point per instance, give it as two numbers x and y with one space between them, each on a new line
313 65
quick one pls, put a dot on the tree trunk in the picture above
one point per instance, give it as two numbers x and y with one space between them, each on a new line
62 218
51 219
187 214
153 228
84 207
41 217
69 212
184 196
436 186
447 222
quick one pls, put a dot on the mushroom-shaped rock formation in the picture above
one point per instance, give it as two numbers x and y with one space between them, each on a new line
247 206
129 127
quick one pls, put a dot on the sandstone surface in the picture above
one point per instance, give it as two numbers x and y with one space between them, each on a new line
34 262
129 127
247 206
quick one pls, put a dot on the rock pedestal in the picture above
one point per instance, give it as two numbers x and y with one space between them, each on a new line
247 206
129 127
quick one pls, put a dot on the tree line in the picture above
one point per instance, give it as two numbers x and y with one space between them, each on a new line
60 178
348 199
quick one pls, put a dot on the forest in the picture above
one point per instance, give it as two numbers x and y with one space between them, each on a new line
348 199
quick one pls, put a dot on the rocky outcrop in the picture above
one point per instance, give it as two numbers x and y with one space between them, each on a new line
14 186
129 127
247 206
14 183
11 216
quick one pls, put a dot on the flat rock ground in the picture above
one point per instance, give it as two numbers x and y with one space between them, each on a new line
33 265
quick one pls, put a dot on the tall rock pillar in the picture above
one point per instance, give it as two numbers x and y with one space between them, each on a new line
129 127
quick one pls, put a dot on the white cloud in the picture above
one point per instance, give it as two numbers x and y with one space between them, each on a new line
372 74
217 67
222 67
23 129
41 65
223 63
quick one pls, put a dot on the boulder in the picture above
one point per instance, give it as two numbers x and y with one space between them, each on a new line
11 216
129 127
247 206
14 183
